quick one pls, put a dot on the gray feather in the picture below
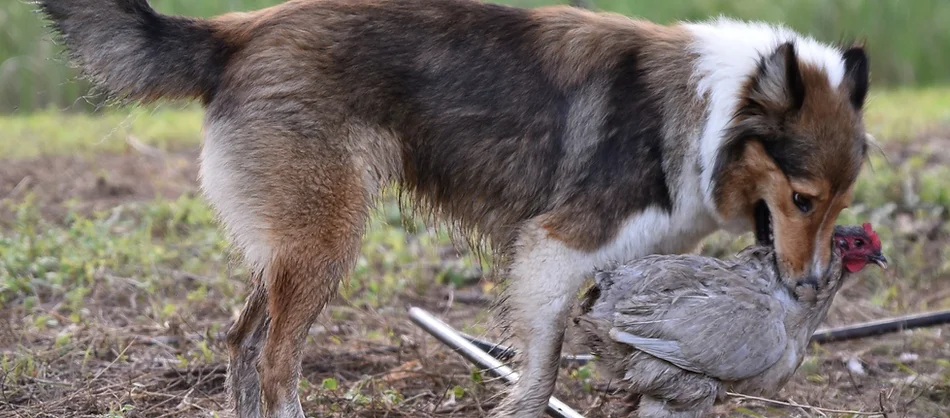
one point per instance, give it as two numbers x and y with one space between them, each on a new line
681 329
663 349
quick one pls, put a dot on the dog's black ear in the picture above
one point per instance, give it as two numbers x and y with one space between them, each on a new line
856 72
778 82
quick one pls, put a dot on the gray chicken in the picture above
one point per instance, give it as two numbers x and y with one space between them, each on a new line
679 331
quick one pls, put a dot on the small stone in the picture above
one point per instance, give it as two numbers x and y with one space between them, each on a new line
856 367
907 358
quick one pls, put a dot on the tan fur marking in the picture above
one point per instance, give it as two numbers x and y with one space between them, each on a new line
828 117
812 189
320 243
576 43
740 191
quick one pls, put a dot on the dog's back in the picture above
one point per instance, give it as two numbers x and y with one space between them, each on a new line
489 130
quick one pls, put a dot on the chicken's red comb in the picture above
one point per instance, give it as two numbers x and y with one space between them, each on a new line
875 241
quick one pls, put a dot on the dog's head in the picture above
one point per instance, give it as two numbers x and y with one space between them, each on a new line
792 155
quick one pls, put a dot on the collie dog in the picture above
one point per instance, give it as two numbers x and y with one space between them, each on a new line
563 138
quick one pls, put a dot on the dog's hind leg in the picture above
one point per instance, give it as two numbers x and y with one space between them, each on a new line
296 205
544 279
313 253
301 282
245 339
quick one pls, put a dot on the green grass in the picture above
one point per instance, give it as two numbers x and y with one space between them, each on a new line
891 115
903 113
53 132
148 245
42 261
907 40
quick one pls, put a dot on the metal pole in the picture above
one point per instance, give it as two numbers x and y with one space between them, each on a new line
503 353
867 329
448 336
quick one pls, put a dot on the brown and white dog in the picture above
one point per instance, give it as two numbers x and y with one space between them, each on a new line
567 139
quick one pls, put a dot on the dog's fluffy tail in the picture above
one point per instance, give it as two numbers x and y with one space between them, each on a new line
135 53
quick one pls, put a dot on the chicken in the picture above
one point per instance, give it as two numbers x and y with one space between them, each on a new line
678 331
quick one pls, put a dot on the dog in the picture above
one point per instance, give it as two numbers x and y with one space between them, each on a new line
566 139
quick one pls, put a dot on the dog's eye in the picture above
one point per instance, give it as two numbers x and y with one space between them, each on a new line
803 203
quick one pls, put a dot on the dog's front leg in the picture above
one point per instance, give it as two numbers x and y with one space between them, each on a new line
544 279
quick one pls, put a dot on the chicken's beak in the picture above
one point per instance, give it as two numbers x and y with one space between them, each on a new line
879 260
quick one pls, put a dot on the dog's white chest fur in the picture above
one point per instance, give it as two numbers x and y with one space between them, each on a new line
655 231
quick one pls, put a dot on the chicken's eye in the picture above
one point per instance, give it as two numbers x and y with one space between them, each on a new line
803 203
858 243
843 244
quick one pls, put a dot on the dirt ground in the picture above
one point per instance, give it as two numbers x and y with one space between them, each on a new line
125 360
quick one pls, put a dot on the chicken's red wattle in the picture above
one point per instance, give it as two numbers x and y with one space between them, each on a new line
854 266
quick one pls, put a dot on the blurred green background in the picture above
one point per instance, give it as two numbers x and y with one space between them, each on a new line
909 41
